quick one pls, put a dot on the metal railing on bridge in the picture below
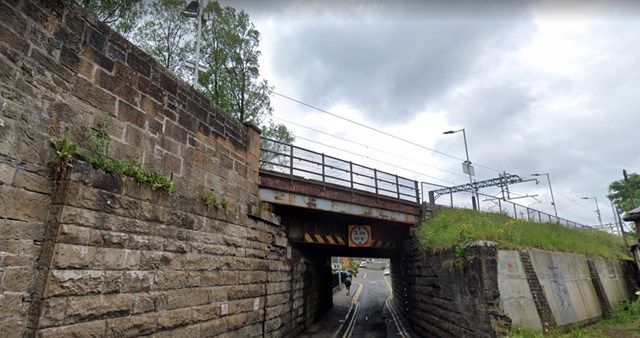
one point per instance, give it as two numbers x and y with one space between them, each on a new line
295 161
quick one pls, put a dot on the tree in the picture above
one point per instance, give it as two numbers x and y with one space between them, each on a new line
164 34
625 193
121 15
230 51
229 48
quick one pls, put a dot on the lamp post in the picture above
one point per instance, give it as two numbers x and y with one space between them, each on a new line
597 208
553 201
194 11
466 165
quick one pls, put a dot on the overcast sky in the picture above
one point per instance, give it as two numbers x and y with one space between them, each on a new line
540 87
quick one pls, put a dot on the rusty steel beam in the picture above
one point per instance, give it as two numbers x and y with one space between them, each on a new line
318 203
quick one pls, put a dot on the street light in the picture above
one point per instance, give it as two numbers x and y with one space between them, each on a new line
466 165
553 202
194 11
597 208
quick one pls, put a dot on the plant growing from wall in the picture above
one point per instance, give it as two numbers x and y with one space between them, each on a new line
211 201
99 141
61 162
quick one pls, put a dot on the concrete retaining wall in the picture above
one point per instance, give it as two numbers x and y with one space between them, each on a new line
573 294
482 291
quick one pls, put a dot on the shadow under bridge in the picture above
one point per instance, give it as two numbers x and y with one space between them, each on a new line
334 206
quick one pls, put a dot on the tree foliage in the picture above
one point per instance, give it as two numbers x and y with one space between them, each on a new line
229 50
625 193
230 44
164 34
121 15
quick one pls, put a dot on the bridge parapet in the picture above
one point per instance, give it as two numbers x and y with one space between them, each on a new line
298 162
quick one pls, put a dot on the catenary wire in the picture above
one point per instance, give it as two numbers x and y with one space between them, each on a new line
379 161
377 130
367 146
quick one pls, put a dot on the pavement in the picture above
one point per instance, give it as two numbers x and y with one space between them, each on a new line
334 319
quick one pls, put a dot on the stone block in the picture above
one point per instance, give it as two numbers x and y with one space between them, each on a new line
73 234
154 260
116 259
69 256
173 318
52 312
18 230
112 282
205 312
138 281
140 62
215 278
11 327
91 329
7 173
33 182
131 114
93 95
168 280
22 205
185 298
86 308
143 303
245 291
10 305
252 277
17 280
133 326
18 260
213 327
73 282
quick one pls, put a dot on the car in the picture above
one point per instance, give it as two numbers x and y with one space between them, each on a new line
363 265
386 272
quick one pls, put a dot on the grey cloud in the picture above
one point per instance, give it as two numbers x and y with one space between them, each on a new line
388 70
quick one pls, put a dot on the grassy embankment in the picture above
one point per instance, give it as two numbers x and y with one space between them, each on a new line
453 227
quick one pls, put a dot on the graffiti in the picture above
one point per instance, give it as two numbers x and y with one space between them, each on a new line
561 290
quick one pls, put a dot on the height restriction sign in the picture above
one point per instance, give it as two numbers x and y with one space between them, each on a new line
360 235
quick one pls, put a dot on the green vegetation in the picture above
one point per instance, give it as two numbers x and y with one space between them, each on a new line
453 227
624 322
99 156
211 201
99 141
61 162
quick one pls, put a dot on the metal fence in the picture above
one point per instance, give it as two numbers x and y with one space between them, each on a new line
294 161
490 203
288 159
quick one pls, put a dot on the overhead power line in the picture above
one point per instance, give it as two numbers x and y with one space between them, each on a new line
379 161
376 130
368 147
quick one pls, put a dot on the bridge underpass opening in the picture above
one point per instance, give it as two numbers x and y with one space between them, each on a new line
319 236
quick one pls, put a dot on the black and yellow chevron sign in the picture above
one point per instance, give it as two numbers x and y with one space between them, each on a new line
339 240
382 244
324 239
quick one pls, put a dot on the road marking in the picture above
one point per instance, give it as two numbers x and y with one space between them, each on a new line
356 306
399 325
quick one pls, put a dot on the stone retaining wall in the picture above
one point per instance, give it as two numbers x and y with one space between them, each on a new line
104 255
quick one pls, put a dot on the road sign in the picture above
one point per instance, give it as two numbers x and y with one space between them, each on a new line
360 235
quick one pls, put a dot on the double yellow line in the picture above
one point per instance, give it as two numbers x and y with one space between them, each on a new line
396 318
355 305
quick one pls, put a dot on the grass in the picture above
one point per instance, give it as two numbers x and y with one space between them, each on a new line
453 227
624 322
